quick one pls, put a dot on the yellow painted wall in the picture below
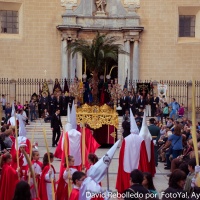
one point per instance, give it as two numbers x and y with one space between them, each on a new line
37 47
162 54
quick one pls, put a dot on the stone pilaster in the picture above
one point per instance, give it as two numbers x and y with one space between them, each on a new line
127 58
64 59
79 66
121 70
136 60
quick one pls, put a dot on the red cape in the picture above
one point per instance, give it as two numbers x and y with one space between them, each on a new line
42 187
61 187
58 151
152 167
90 144
38 162
8 181
123 178
74 194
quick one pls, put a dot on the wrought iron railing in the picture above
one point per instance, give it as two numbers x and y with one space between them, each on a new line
24 88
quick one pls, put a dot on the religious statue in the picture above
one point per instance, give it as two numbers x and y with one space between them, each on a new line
57 88
101 5
45 88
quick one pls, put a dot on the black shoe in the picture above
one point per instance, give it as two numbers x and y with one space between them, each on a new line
167 168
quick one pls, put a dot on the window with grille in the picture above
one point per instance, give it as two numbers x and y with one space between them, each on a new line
9 21
187 25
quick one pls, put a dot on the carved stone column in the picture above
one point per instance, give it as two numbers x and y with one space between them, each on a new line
72 62
73 66
136 60
79 72
64 59
121 69
127 58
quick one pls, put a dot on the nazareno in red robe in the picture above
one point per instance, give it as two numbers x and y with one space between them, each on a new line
90 147
74 194
123 178
8 181
37 177
62 189
42 186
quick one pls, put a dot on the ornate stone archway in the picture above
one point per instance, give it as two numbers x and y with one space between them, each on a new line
83 18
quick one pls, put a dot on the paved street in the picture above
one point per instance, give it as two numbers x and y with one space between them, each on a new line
160 179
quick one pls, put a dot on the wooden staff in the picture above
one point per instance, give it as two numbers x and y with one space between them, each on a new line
83 146
16 141
48 154
31 170
194 135
31 147
67 164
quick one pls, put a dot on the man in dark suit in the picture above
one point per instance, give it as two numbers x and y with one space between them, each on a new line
132 103
56 124
155 133
141 103
126 127
124 103
52 105
64 105
58 102
69 100
154 101
44 101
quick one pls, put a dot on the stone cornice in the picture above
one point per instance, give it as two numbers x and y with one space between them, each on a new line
80 28
102 17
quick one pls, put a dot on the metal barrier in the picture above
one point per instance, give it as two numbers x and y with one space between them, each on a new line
4 87
177 90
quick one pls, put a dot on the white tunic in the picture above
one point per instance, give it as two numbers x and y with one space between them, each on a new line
11 121
22 129
38 170
49 185
74 138
65 174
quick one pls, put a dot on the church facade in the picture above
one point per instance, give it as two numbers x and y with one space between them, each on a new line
162 37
